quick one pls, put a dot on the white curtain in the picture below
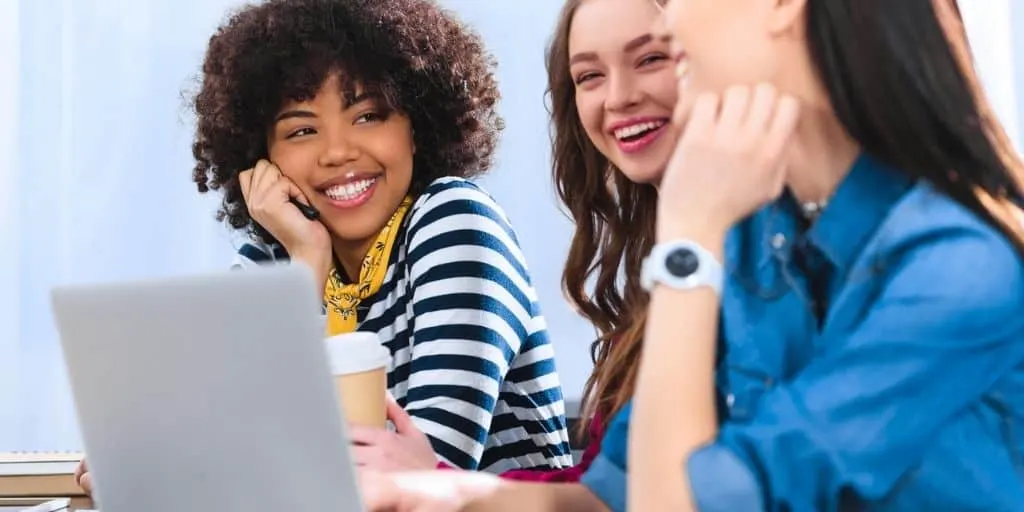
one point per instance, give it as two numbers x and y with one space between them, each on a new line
95 167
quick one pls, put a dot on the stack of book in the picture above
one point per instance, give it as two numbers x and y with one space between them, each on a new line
32 478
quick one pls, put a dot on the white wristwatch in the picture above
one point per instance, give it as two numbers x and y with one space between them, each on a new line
682 265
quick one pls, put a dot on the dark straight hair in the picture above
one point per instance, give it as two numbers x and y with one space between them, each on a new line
901 79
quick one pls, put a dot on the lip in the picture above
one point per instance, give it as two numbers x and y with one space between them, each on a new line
635 146
350 177
354 202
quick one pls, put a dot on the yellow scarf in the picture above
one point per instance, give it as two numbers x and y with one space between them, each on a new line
341 299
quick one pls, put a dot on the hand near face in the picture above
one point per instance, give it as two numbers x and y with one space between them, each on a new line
406 449
268 194
729 160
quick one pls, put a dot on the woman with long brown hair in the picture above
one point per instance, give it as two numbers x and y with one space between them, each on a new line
611 88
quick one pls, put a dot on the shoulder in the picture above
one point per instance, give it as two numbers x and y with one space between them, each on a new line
455 203
254 252
933 249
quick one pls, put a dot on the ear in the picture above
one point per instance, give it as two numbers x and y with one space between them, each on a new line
786 16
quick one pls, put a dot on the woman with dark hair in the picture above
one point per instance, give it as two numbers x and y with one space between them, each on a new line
839 256
341 135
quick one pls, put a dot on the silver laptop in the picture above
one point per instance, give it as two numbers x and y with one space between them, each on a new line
207 393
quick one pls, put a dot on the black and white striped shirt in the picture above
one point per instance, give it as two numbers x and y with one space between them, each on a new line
471 359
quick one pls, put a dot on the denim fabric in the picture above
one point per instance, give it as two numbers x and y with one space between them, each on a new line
905 392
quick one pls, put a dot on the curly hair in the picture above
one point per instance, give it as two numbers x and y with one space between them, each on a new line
415 55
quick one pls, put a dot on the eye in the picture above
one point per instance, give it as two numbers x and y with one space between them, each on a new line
586 77
371 117
652 58
301 132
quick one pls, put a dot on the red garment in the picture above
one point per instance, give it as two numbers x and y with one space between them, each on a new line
594 434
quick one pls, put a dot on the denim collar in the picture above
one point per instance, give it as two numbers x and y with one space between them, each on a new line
859 206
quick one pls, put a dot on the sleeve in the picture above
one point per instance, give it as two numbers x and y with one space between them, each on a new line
938 336
472 305
253 253
567 475
606 477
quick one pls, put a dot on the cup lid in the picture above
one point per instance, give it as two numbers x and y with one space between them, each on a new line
356 352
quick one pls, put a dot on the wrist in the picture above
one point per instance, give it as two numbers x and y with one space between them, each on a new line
708 235
318 261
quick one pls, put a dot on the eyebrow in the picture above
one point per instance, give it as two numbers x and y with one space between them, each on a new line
629 47
306 114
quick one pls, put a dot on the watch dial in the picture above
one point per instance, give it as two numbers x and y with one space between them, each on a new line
682 263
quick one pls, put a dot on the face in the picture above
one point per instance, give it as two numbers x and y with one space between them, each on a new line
353 161
625 84
730 42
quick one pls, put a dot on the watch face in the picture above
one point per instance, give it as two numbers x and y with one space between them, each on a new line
682 263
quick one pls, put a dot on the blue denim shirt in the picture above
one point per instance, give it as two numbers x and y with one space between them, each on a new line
906 394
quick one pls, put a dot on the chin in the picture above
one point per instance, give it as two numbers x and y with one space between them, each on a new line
643 175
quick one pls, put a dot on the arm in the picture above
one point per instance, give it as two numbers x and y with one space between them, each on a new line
518 497
864 413
472 306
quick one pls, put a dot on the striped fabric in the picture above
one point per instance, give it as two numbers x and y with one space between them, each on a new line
472 363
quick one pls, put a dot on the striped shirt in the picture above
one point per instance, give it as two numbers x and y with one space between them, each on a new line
471 359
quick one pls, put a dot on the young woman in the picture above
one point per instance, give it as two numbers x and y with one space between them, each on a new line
374 113
612 89
839 257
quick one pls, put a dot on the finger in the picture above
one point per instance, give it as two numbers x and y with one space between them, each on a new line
367 436
780 131
367 457
86 482
701 123
80 470
401 419
759 114
735 103
293 191
264 175
684 106
378 491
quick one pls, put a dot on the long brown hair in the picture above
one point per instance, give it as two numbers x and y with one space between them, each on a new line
614 220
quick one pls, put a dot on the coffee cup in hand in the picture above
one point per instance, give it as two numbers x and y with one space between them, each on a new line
359 365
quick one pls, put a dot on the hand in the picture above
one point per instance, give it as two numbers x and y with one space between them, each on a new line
729 159
83 478
429 491
406 449
267 194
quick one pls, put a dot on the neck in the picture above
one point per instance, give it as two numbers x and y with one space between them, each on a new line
350 255
821 154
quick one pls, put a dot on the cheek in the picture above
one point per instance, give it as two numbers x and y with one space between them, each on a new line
296 161
590 109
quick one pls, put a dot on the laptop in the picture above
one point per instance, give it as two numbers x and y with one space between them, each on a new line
207 392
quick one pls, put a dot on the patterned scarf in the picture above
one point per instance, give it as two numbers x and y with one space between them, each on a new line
342 299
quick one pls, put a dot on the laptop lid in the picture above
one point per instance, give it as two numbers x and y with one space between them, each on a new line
207 393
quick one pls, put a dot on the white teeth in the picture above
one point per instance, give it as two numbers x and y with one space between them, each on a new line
637 129
349 191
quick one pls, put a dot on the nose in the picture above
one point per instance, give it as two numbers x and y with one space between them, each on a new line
339 149
622 92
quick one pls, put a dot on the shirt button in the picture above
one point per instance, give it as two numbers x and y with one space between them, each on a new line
730 399
779 241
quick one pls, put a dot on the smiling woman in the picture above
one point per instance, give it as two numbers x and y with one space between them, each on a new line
374 113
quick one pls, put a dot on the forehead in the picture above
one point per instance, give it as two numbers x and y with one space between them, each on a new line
605 26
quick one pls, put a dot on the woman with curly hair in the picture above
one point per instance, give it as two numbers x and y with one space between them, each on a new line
370 115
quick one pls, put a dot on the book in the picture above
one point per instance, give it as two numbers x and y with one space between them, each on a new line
39 474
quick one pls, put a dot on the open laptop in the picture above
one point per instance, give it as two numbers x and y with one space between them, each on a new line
207 393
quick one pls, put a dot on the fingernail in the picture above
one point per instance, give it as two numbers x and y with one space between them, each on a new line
681 68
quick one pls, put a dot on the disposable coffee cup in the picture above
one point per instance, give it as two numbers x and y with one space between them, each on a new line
359 364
